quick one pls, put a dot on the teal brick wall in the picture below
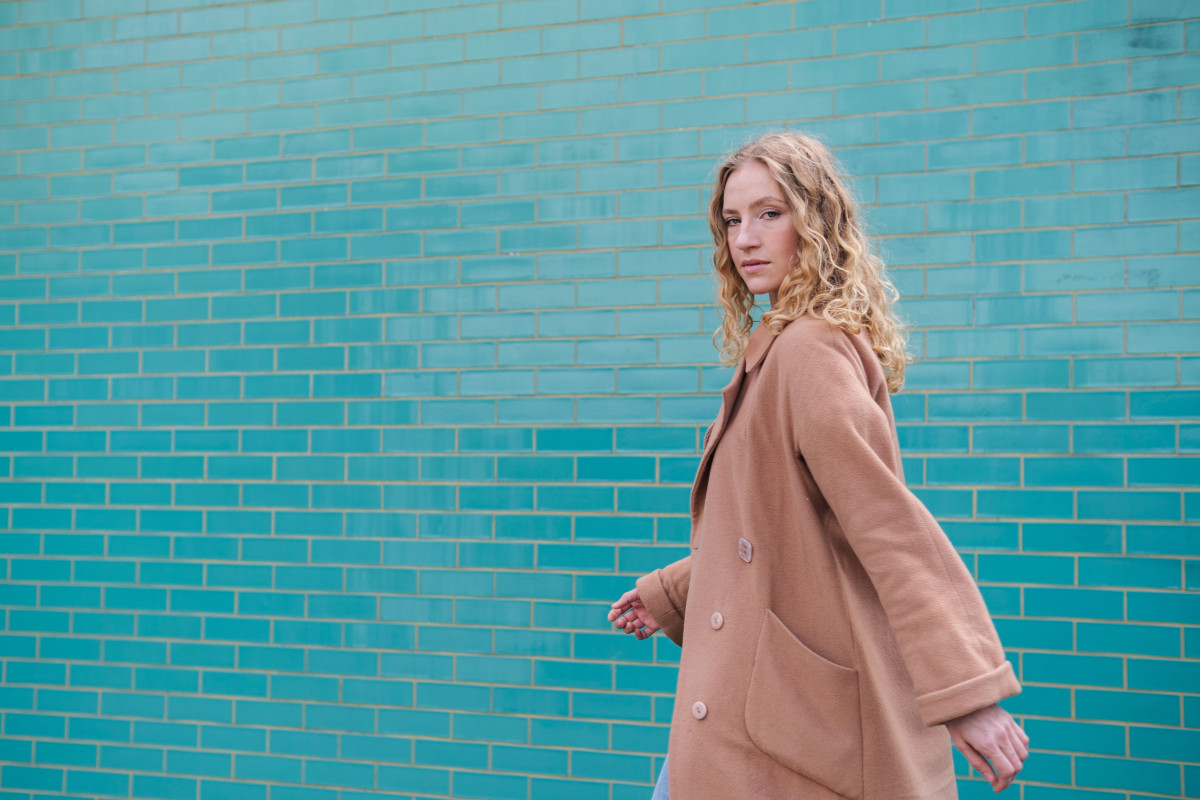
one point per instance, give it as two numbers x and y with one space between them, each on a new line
354 356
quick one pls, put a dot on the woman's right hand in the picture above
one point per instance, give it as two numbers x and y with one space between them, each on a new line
628 614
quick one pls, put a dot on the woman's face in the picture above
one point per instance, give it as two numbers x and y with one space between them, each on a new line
758 224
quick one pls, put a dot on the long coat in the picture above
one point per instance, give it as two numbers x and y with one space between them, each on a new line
828 626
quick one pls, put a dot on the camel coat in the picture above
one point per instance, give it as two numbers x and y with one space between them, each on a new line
827 624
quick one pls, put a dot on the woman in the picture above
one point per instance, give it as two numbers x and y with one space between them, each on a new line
831 635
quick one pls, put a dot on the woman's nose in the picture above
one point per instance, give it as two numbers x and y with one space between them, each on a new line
744 237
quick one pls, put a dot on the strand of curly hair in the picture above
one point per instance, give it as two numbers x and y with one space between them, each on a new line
834 276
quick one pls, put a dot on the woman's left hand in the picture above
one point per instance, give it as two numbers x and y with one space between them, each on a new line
993 744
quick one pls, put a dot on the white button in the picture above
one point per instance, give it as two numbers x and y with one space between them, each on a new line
699 710
717 620
745 550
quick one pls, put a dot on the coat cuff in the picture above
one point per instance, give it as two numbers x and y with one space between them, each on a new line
653 592
963 698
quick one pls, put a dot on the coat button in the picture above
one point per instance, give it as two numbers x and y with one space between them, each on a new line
699 710
745 550
717 620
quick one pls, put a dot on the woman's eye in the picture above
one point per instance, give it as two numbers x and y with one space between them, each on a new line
770 214
731 221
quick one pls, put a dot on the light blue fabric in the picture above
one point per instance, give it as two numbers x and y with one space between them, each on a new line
660 788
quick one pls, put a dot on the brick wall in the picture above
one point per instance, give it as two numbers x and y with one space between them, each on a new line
355 355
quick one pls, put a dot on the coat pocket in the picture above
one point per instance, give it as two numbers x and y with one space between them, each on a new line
803 711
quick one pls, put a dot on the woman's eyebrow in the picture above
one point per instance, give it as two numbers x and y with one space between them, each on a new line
765 200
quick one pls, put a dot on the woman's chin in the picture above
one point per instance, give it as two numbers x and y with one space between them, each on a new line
760 288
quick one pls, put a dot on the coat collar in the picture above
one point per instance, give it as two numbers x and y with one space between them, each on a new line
757 345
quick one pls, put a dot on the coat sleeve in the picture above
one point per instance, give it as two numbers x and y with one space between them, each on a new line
844 435
664 593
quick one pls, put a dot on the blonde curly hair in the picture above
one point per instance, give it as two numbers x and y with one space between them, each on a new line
834 276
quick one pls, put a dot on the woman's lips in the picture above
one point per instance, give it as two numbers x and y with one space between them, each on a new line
751 267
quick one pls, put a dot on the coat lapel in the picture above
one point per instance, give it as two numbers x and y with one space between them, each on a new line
756 349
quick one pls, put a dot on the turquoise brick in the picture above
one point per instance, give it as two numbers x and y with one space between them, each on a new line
1161 138
1074 471
1031 633
695 113
1002 24
1027 309
704 53
1086 210
989 407
587 36
886 221
627 60
1143 707
663 29
1128 174
1161 675
1001 279
1124 109
877 36
1161 606
1130 774
1069 669
893 97
1025 373
1124 438
933 124
1161 404
731 80
975 471
1089 340
1165 204
1161 743
1131 42
1099 13
1130 505
934 62
1025 53
1087 737
500 156
1023 181
1151 338
1151 573
1137 372
924 188
1076 81
1036 503
1154 73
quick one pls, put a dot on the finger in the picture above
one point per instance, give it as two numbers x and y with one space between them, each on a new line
626 599
1019 747
1004 772
1015 742
621 611
977 761
619 615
